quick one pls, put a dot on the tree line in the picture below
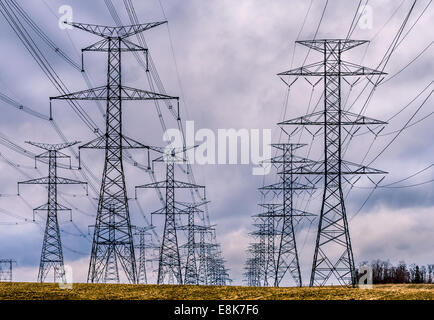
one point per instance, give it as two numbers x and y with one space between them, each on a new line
385 272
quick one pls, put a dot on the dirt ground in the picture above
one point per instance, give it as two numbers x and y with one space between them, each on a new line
79 291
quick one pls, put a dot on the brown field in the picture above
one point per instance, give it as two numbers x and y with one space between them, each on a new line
38 291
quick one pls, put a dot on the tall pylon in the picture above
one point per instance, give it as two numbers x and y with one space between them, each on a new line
333 258
52 254
113 239
287 254
170 261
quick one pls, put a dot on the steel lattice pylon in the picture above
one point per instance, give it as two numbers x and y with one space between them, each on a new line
333 233
113 239
289 185
169 260
254 264
6 270
51 255
142 232
269 220
191 275
204 259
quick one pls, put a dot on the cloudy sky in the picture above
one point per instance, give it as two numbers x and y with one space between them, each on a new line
221 57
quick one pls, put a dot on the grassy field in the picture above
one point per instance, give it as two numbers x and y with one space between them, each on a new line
38 291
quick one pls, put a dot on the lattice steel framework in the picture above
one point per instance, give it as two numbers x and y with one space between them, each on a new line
6 270
217 273
191 275
113 239
204 255
270 219
289 185
333 233
52 254
254 264
142 232
169 259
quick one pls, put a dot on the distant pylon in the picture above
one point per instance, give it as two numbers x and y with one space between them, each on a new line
287 254
6 270
333 255
191 275
170 260
204 255
142 232
254 264
52 255
270 221
113 225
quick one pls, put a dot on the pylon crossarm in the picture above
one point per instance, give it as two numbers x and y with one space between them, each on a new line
301 213
350 118
313 69
195 228
190 207
193 205
97 143
129 143
103 46
282 186
159 185
97 46
61 155
346 119
280 159
43 180
186 185
52 147
286 146
127 93
354 168
60 180
115 32
176 184
313 118
352 69
45 207
342 68
346 168
324 44
270 206
176 211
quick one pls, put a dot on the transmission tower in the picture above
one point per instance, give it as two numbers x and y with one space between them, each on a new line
6 270
142 232
333 233
191 275
52 255
289 185
204 254
254 264
113 239
170 260
267 231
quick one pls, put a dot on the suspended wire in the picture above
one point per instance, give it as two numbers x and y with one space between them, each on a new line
402 129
